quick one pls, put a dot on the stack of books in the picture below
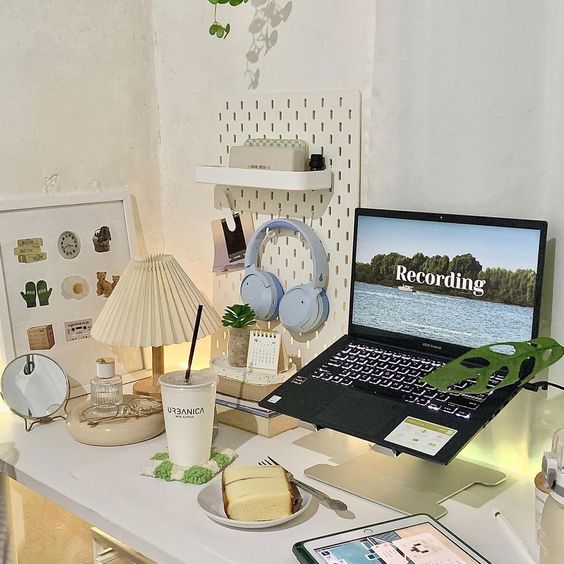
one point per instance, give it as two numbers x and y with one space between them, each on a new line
247 415
237 404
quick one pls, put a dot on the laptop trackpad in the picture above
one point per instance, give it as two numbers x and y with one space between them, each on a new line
360 413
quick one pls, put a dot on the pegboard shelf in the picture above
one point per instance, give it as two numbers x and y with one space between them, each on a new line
271 179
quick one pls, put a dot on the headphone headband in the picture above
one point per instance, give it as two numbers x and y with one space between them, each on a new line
320 264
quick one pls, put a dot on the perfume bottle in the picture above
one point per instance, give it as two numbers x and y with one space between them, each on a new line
106 387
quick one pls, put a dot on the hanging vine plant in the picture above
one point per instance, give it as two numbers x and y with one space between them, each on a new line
219 30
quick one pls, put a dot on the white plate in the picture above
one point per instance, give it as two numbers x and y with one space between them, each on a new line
210 499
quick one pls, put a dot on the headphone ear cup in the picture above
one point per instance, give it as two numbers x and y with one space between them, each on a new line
322 310
320 314
303 309
262 291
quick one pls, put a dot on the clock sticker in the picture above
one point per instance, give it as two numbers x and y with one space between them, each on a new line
68 245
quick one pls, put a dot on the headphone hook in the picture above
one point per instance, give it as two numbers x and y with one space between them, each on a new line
229 203
272 234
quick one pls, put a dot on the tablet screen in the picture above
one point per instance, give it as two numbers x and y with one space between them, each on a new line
418 544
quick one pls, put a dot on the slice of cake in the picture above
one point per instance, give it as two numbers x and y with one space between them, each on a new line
258 493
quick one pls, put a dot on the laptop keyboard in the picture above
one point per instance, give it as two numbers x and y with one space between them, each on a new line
397 375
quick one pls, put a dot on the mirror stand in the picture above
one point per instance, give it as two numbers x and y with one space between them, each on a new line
30 423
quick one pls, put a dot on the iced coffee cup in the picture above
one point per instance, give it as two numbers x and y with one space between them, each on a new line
188 412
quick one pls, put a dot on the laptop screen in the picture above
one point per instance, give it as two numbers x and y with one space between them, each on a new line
462 280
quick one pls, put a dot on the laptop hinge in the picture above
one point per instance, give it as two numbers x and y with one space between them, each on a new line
386 450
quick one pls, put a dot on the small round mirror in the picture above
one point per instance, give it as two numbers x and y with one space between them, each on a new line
34 386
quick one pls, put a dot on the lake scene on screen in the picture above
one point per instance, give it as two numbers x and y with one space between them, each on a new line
464 284
450 319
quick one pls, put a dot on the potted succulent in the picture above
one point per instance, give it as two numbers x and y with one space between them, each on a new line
238 318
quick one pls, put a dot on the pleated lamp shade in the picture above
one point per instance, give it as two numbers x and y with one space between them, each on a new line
153 304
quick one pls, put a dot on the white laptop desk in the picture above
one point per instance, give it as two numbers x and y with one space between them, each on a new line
163 521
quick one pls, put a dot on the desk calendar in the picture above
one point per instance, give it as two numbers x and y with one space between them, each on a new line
266 351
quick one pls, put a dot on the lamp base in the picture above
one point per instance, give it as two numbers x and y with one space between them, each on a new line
150 386
146 387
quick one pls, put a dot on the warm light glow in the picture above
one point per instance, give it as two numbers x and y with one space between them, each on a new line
3 406
507 459
515 440
176 356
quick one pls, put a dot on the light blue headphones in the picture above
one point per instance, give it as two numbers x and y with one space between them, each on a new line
302 308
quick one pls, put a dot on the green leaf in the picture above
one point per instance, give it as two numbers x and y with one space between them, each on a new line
227 30
214 2
480 364
212 29
238 315
235 2
220 32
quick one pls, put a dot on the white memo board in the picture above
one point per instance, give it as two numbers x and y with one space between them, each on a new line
329 121
69 308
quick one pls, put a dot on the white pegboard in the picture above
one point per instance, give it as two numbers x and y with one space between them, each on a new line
329 122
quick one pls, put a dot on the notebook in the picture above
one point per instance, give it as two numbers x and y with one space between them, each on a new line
425 288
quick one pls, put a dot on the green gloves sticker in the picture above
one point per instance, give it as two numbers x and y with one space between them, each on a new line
33 292
29 296
43 293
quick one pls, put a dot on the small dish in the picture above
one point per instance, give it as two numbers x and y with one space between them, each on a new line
210 499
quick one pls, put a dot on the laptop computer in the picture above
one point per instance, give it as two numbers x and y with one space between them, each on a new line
425 288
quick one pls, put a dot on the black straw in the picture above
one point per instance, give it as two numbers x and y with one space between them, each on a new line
193 343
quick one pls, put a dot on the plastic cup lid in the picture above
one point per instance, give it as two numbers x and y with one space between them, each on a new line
197 379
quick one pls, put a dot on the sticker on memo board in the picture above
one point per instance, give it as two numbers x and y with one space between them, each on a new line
30 250
77 330
422 436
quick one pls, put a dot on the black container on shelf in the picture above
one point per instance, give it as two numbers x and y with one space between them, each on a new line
316 162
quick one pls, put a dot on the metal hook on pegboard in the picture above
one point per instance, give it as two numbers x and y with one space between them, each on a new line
228 198
272 235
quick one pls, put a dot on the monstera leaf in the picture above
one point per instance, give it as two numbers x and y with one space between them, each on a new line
481 363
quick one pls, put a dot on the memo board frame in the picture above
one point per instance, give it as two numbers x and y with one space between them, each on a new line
49 217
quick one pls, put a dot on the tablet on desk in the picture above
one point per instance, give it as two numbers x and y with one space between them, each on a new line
417 539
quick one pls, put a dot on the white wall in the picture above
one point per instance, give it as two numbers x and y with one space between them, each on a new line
78 101
461 114
467 113
468 118
315 50
324 44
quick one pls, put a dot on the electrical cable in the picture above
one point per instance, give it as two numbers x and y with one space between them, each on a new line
543 385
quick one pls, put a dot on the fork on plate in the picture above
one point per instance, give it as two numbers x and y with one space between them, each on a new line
334 504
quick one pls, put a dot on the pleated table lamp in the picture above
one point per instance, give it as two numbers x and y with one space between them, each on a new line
154 304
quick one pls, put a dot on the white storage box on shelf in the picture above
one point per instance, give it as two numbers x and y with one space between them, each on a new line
271 179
